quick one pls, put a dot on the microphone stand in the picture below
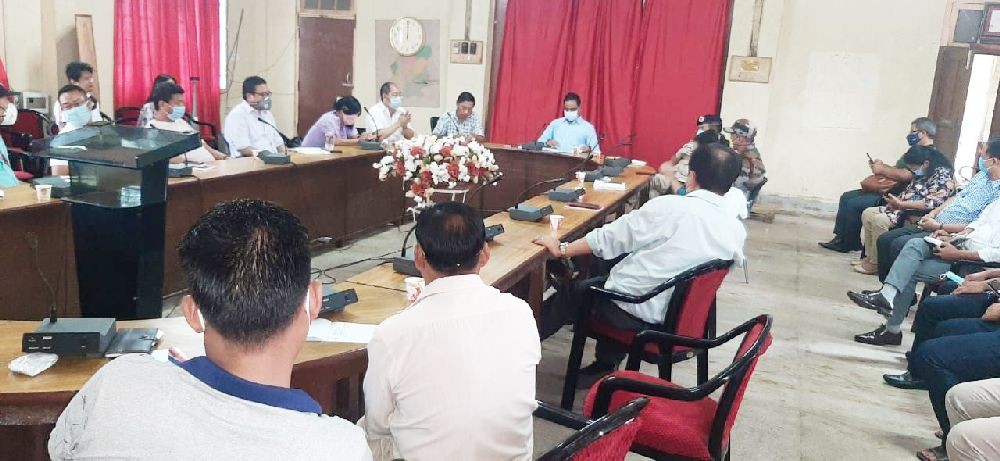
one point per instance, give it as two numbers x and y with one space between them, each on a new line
479 189
374 124
520 196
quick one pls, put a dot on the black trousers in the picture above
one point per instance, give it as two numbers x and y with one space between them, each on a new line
939 309
891 243
562 309
848 223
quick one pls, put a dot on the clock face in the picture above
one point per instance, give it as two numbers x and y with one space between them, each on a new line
406 36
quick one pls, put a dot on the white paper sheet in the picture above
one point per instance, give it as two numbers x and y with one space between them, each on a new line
311 150
324 330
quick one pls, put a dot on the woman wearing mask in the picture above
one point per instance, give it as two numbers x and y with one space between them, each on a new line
933 182
337 127
8 115
149 108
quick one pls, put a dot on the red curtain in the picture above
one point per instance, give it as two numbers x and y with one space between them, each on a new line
3 76
679 74
175 37
644 70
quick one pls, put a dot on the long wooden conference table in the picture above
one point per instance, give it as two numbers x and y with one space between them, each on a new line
331 373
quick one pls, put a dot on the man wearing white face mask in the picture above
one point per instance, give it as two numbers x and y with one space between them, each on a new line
168 114
247 266
75 113
571 132
250 127
388 120
8 115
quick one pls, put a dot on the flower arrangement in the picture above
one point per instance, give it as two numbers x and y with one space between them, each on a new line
428 161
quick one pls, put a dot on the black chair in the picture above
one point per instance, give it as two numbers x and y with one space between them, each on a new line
212 137
606 438
753 194
127 115
434 122
691 312
684 423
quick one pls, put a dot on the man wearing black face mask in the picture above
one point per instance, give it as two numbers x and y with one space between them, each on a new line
250 126
847 229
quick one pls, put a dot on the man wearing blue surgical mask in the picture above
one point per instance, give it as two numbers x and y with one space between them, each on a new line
388 120
250 127
169 110
571 132
8 115
75 112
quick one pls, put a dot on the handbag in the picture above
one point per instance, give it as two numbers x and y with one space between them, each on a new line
878 184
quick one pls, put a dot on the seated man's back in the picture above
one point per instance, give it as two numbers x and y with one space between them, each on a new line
137 407
453 376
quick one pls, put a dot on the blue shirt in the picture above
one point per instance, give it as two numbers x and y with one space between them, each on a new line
571 134
221 380
7 178
971 201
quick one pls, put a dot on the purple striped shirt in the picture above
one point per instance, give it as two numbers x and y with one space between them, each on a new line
327 125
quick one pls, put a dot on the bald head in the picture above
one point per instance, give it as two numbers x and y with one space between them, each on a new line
716 167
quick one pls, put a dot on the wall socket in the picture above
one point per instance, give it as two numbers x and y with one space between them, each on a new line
466 52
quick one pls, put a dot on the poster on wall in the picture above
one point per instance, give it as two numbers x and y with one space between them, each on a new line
418 75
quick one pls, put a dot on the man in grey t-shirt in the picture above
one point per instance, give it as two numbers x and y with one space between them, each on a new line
247 265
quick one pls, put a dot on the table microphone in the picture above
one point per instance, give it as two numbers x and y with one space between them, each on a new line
479 189
590 155
374 125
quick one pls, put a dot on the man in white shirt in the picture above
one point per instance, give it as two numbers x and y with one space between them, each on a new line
665 237
388 120
168 114
453 376
247 265
80 74
250 127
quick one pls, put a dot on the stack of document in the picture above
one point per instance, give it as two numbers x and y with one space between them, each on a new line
603 184
324 330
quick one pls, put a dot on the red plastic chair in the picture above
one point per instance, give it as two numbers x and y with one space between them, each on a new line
691 313
607 438
684 423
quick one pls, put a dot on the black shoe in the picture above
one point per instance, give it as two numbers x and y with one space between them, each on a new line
835 246
874 301
593 373
905 381
880 337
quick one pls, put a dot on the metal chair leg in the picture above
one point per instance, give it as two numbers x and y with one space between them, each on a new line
746 269
573 368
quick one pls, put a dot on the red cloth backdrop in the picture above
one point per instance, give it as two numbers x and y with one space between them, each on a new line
175 37
649 71
3 76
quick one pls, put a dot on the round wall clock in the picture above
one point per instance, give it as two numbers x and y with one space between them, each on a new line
406 36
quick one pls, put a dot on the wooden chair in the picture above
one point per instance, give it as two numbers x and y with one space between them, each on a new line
606 438
684 423
691 312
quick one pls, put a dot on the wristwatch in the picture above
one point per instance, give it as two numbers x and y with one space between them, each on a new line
562 249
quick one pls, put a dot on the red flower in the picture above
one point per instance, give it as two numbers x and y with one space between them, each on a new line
400 169
426 176
417 151
453 170
446 151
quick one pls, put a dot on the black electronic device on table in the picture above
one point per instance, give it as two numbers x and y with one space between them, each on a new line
564 194
525 212
272 158
536 145
336 301
617 162
405 263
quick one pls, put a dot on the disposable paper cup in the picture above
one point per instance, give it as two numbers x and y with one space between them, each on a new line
555 220
43 192
581 176
413 287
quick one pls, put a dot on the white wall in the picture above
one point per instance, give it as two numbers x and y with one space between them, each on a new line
39 39
269 47
896 42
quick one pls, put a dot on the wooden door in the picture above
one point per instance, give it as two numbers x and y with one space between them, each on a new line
951 87
326 65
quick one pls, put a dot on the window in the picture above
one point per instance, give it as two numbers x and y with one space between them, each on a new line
327 8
